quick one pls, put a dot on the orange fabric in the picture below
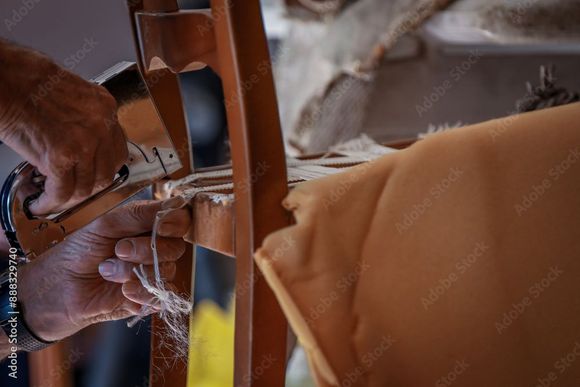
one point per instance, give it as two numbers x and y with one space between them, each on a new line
456 261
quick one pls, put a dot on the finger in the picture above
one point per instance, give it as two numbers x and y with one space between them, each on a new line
127 308
173 203
124 307
134 291
138 249
113 148
104 168
132 219
58 189
167 271
119 145
133 308
116 270
174 223
84 178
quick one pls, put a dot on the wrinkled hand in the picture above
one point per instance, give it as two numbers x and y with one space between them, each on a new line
88 278
63 125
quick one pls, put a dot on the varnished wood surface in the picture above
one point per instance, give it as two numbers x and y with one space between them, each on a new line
163 84
256 140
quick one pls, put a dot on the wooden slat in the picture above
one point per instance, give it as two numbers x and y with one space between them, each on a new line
165 369
213 226
256 140
214 219
169 37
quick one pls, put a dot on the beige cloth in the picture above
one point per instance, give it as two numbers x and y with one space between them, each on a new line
456 261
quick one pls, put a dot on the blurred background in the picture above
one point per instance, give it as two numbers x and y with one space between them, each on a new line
390 70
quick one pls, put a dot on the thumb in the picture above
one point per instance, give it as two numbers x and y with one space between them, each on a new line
58 190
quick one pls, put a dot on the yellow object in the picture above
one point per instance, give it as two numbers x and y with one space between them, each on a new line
211 351
452 262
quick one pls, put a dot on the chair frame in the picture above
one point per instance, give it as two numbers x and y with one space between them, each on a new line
242 54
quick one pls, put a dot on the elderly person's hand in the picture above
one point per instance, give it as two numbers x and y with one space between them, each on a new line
88 278
63 125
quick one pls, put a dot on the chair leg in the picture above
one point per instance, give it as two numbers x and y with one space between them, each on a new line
259 170
259 173
165 370
47 366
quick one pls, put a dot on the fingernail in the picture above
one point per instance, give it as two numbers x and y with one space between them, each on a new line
124 248
107 268
174 202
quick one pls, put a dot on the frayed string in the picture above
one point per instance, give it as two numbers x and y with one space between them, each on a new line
174 308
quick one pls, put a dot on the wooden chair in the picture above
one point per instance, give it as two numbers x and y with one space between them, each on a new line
231 39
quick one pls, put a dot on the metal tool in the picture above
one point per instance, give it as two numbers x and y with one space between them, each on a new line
152 156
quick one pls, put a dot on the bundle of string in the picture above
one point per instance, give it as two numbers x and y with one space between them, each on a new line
174 308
